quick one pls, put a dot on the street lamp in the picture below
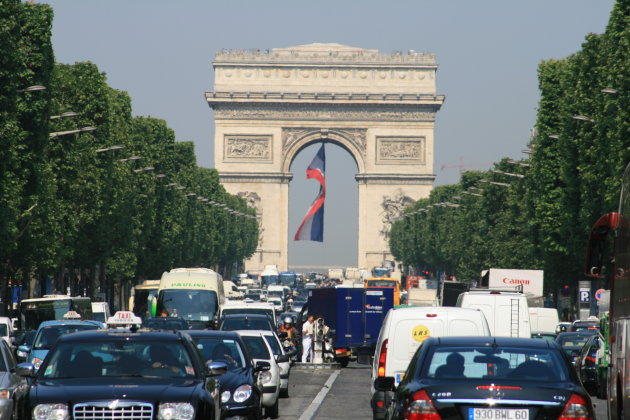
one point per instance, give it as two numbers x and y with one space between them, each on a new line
146 169
501 184
160 176
64 115
79 130
130 158
107 149
610 91
471 193
527 151
507 173
554 136
31 89
582 118
514 162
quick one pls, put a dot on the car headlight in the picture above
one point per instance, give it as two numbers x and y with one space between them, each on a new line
176 411
37 362
51 412
265 376
5 394
242 393
225 396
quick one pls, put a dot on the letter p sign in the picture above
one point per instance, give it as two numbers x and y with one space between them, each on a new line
585 296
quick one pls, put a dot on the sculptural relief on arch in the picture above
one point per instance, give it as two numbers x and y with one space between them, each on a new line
269 105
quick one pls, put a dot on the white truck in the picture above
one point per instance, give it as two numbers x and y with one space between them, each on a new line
336 274
502 278
422 297
270 276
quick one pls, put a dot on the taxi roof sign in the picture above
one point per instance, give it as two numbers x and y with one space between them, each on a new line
72 315
124 318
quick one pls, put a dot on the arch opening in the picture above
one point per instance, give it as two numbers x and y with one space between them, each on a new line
341 224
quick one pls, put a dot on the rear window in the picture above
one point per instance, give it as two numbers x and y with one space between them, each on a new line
217 349
47 337
257 348
234 324
510 363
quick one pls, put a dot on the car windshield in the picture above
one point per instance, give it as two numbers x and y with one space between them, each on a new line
165 324
233 324
572 340
510 363
48 336
256 311
119 358
217 349
257 348
273 343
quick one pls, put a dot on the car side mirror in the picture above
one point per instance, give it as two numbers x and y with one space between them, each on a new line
283 334
217 368
26 370
282 358
384 383
262 366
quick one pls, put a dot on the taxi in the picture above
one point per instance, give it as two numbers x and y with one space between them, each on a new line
122 373
49 332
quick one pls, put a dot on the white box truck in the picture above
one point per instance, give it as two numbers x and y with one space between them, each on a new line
506 311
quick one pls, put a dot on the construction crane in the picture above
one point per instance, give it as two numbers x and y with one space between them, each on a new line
463 165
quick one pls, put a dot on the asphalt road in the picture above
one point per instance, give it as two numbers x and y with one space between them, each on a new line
332 394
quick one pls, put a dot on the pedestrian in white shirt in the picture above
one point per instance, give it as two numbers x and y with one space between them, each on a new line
307 340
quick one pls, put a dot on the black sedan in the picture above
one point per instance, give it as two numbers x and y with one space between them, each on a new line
483 378
572 342
240 391
120 374
587 364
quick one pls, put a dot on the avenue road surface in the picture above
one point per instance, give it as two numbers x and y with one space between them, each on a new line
333 394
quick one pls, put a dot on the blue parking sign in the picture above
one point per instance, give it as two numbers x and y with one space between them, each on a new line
585 296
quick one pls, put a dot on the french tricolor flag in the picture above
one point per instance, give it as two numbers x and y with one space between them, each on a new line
312 227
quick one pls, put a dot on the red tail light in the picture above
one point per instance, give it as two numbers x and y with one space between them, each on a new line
576 409
382 358
421 408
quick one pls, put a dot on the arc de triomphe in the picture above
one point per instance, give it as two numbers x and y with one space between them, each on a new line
269 105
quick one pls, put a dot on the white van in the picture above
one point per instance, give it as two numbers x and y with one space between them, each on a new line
195 294
243 307
543 319
404 330
100 311
6 329
506 311
231 290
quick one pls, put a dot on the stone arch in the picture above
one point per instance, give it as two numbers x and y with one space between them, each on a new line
353 142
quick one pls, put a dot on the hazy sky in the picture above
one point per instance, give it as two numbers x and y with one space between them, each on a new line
488 52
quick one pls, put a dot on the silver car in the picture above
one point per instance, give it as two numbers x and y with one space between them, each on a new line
10 383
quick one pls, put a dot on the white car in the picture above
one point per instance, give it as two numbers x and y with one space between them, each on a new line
260 351
285 367
277 304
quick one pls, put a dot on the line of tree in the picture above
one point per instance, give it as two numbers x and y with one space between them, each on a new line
578 150
96 221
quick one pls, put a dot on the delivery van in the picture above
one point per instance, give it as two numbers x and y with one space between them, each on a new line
403 331
543 319
232 291
506 310
195 294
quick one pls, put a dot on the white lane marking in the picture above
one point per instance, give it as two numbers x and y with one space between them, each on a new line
319 398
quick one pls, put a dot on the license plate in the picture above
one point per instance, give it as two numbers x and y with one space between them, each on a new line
498 414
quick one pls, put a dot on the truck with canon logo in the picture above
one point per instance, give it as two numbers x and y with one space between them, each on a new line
531 281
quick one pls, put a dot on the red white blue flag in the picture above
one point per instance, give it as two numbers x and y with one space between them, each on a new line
312 227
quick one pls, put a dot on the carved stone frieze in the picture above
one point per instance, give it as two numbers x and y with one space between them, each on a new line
400 150
393 206
356 136
254 202
322 113
247 147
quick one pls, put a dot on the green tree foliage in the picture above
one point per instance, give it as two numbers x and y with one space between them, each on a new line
573 176
75 207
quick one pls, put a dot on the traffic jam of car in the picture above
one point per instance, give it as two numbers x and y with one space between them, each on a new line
201 349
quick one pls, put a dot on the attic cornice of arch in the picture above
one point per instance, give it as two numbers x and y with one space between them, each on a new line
294 139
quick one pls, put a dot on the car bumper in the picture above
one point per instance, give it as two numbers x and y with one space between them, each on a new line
270 395
238 412
284 381
379 402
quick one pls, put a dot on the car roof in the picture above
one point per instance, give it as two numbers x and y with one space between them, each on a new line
213 333
251 333
121 334
251 316
488 341
577 333
45 324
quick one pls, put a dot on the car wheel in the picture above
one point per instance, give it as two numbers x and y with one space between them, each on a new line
343 362
272 412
